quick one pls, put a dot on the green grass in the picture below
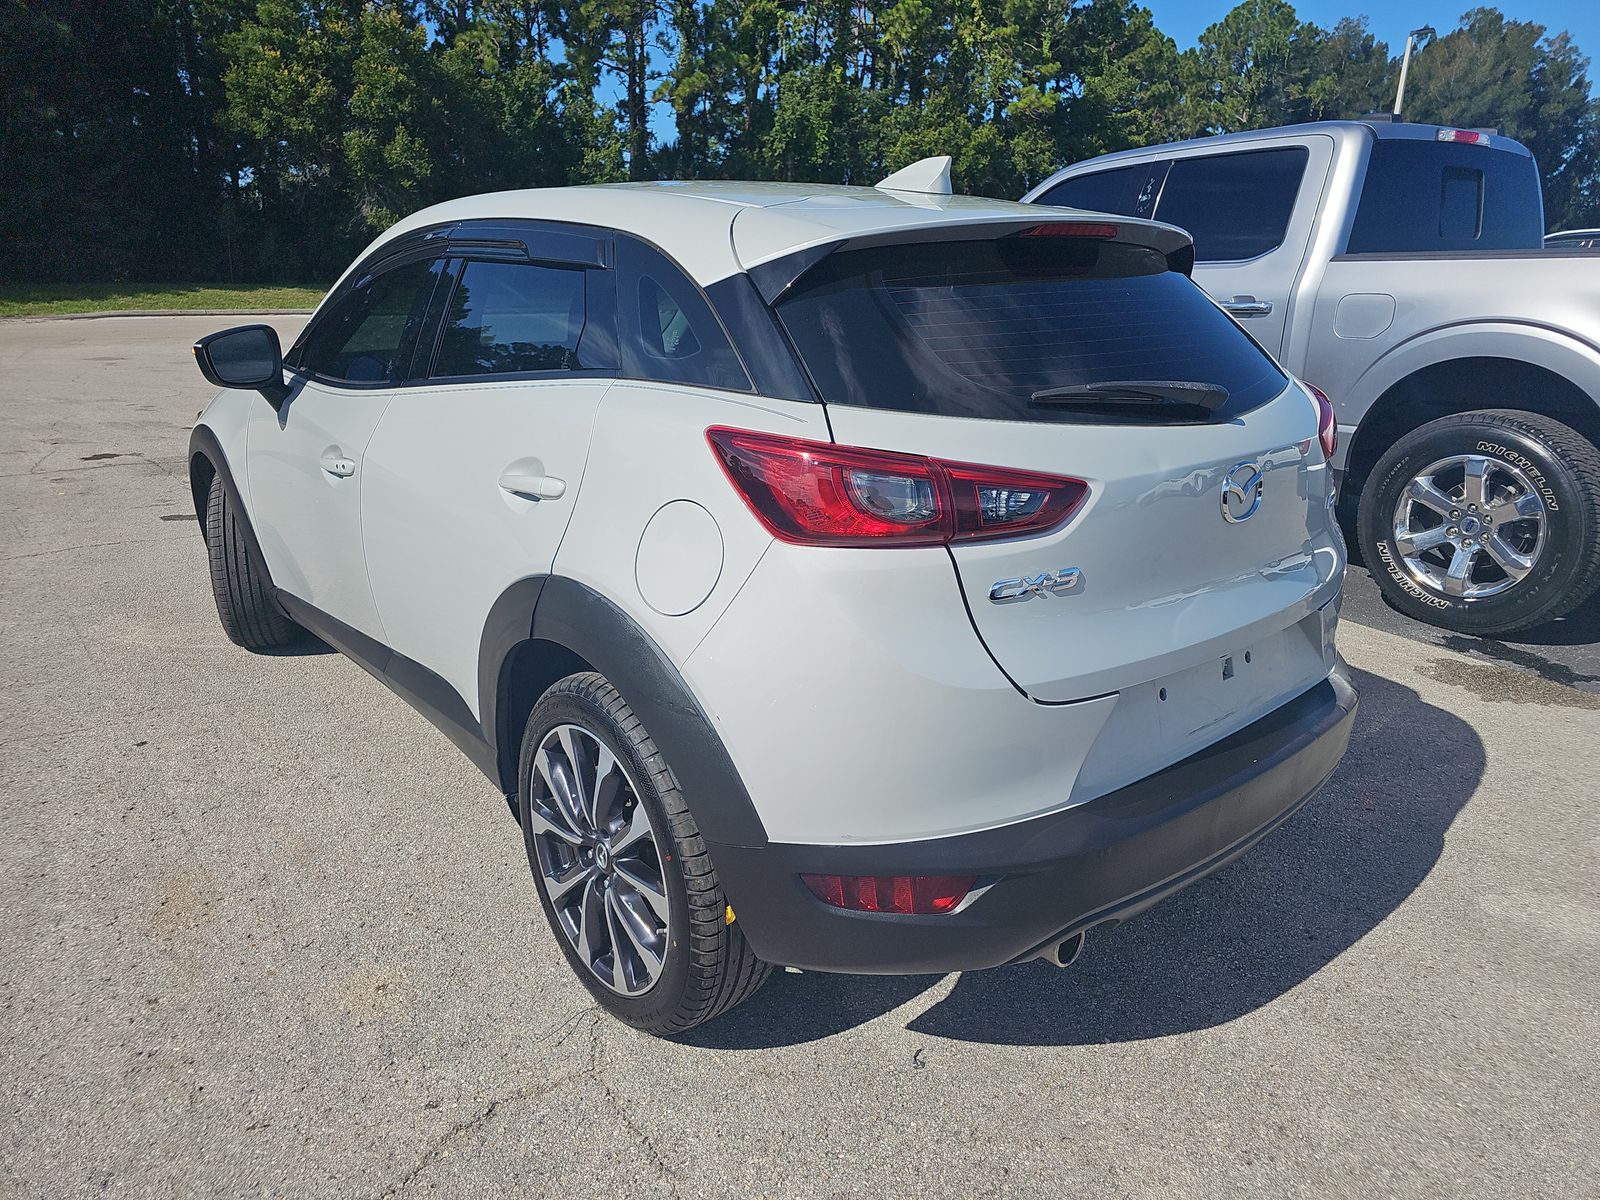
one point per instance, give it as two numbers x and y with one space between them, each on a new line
49 299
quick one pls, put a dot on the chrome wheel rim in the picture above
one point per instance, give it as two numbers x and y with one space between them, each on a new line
597 853
1469 527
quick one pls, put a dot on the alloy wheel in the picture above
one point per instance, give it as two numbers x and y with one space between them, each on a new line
601 864
1469 527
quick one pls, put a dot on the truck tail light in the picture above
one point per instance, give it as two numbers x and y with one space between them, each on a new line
920 894
820 494
1464 137
1327 427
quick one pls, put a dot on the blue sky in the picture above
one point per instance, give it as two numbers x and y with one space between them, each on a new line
1389 21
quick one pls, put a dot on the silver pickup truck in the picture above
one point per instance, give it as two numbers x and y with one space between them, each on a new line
1399 268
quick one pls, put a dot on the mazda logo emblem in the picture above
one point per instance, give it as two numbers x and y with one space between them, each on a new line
1241 492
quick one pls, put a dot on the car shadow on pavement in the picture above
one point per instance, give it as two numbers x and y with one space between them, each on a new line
1223 948
306 646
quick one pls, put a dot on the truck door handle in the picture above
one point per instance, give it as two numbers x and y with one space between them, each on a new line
533 487
336 464
1247 306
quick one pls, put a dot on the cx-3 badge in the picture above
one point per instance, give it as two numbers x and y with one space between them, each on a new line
1241 492
1051 583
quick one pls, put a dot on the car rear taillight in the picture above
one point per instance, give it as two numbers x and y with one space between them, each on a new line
1079 229
891 893
820 494
1327 427
1463 137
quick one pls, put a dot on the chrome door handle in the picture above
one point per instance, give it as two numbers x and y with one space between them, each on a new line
337 464
533 487
1247 306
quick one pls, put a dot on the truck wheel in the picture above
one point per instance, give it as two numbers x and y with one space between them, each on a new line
1485 522
623 875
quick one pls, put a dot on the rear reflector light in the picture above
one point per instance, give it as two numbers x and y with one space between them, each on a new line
1083 229
820 494
891 893
1327 427
1467 137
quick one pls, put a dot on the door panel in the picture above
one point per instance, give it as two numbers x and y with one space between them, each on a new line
305 458
472 477
304 463
469 487
1251 232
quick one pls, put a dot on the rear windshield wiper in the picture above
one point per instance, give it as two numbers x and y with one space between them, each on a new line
1174 397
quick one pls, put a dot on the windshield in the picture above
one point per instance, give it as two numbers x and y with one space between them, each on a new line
992 328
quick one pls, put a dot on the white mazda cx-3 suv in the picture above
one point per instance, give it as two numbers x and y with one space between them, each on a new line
851 579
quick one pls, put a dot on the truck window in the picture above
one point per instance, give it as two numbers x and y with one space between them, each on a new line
1126 191
1422 196
1235 206
1461 203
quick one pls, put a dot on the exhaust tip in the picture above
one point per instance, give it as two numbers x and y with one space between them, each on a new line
1065 953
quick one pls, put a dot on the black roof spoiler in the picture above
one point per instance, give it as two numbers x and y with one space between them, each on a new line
776 276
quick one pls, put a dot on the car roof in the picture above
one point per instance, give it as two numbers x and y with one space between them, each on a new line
719 228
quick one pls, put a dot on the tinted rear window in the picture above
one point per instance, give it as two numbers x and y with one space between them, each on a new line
1420 196
974 329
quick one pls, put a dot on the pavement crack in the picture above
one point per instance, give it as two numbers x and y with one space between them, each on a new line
553 1037
596 1071
433 1152
83 546
50 448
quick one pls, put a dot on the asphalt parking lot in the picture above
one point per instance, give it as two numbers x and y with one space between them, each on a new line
267 933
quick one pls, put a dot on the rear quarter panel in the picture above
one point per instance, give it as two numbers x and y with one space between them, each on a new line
1380 318
649 451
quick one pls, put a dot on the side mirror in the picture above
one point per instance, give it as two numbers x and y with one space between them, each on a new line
248 356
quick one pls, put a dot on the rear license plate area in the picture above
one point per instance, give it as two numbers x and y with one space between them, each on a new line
1161 722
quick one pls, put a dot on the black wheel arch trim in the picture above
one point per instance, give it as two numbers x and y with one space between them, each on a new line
203 443
577 618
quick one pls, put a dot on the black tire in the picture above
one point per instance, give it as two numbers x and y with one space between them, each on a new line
708 967
250 614
1562 466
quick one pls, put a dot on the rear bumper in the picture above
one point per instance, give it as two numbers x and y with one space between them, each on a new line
1054 876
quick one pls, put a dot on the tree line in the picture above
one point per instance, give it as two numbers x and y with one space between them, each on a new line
267 140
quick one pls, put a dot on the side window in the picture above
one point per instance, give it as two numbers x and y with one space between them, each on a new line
669 332
508 318
1126 191
368 336
1235 206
